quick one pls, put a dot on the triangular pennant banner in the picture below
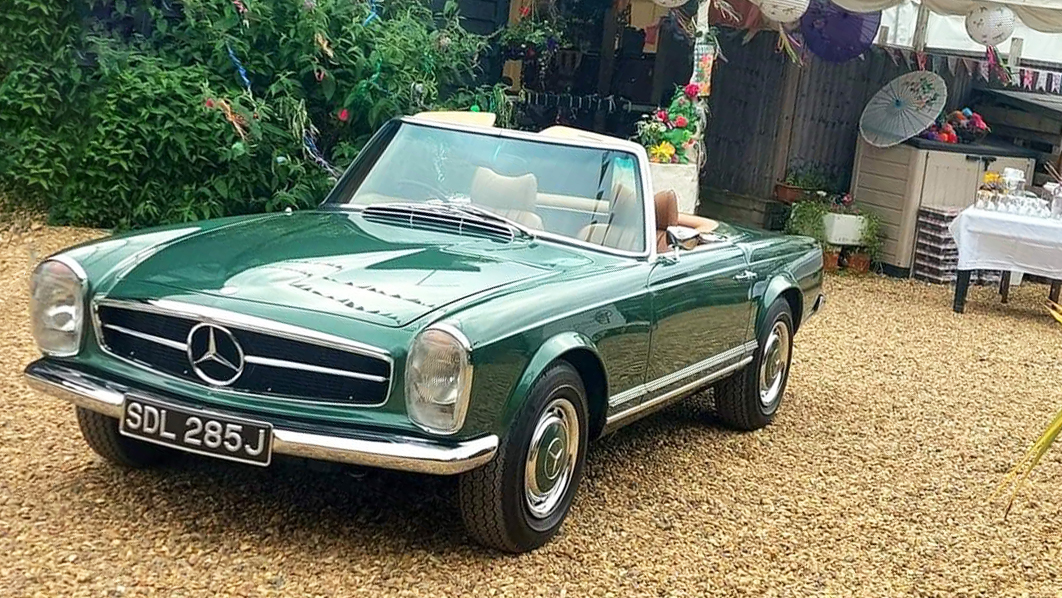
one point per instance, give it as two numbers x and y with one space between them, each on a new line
982 69
1027 78
893 54
1056 82
1040 82
906 57
920 60
970 65
953 64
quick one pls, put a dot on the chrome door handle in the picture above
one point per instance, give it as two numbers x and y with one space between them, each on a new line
746 276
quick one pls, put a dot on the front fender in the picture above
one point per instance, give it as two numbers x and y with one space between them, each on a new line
779 284
547 353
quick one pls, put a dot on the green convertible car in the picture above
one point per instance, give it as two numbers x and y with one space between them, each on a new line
467 300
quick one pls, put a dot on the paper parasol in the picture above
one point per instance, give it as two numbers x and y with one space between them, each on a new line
835 34
903 108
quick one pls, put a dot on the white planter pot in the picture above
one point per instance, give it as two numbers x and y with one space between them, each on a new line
682 178
843 229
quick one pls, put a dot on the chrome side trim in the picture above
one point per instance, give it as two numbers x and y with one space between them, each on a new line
686 372
151 338
306 367
642 409
370 449
220 317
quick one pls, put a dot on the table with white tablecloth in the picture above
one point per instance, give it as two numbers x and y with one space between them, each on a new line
993 240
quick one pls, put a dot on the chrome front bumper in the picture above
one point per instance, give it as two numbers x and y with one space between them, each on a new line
404 453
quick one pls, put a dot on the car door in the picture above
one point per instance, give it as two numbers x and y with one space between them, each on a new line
701 312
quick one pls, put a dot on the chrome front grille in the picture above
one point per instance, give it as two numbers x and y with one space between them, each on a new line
247 355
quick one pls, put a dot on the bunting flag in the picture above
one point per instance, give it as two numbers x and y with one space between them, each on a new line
1056 82
906 54
893 54
1027 78
1041 81
920 60
971 66
953 64
982 69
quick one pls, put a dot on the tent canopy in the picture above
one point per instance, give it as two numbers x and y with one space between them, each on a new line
1041 15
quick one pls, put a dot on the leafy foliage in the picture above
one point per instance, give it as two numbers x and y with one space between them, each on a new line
135 112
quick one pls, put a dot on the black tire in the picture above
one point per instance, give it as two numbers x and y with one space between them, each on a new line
737 397
494 507
101 433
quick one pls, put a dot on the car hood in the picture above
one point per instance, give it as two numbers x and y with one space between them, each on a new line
340 264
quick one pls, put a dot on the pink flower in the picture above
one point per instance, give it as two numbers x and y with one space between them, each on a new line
661 115
681 122
692 90
209 103
344 115
525 11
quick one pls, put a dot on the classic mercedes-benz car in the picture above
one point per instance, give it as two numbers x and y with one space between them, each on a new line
467 300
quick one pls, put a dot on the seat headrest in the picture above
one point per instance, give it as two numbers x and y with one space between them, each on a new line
507 192
667 213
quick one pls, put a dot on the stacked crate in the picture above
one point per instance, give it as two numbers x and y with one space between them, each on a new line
936 256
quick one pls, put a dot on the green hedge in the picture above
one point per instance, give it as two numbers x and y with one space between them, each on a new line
124 114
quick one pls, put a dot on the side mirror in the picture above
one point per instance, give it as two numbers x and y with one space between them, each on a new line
683 237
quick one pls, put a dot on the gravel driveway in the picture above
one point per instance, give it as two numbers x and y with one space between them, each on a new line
900 419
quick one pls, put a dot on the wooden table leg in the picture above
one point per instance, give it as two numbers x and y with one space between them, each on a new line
962 284
1004 286
1056 290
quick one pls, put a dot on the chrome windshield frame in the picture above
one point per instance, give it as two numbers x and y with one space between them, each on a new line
648 253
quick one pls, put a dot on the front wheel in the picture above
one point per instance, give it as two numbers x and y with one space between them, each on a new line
518 501
101 434
749 398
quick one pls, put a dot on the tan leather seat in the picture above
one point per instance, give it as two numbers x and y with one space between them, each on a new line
510 196
625 228
667 214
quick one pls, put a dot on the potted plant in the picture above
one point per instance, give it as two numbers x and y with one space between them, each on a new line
843 222
831 255
869 249
532 38
801 181
671 136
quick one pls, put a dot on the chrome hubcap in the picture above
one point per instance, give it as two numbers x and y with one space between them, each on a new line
775 361
551 457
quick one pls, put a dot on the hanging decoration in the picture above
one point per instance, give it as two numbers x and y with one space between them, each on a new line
990 25
903 108
835 34
704 52
782 12
670 3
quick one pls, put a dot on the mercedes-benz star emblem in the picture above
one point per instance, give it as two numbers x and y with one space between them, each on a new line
215 355
553 459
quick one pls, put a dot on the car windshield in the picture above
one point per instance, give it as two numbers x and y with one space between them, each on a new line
584 193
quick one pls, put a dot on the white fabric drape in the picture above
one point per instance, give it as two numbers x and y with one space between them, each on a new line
1041 15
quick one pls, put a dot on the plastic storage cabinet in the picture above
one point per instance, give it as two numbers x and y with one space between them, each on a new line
896 182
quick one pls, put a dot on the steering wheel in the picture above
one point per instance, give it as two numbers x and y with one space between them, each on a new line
424 191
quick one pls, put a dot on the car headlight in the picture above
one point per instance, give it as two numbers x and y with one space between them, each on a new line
438 380
57 306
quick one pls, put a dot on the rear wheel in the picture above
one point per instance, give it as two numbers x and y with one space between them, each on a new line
748 399
518 501
101 433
